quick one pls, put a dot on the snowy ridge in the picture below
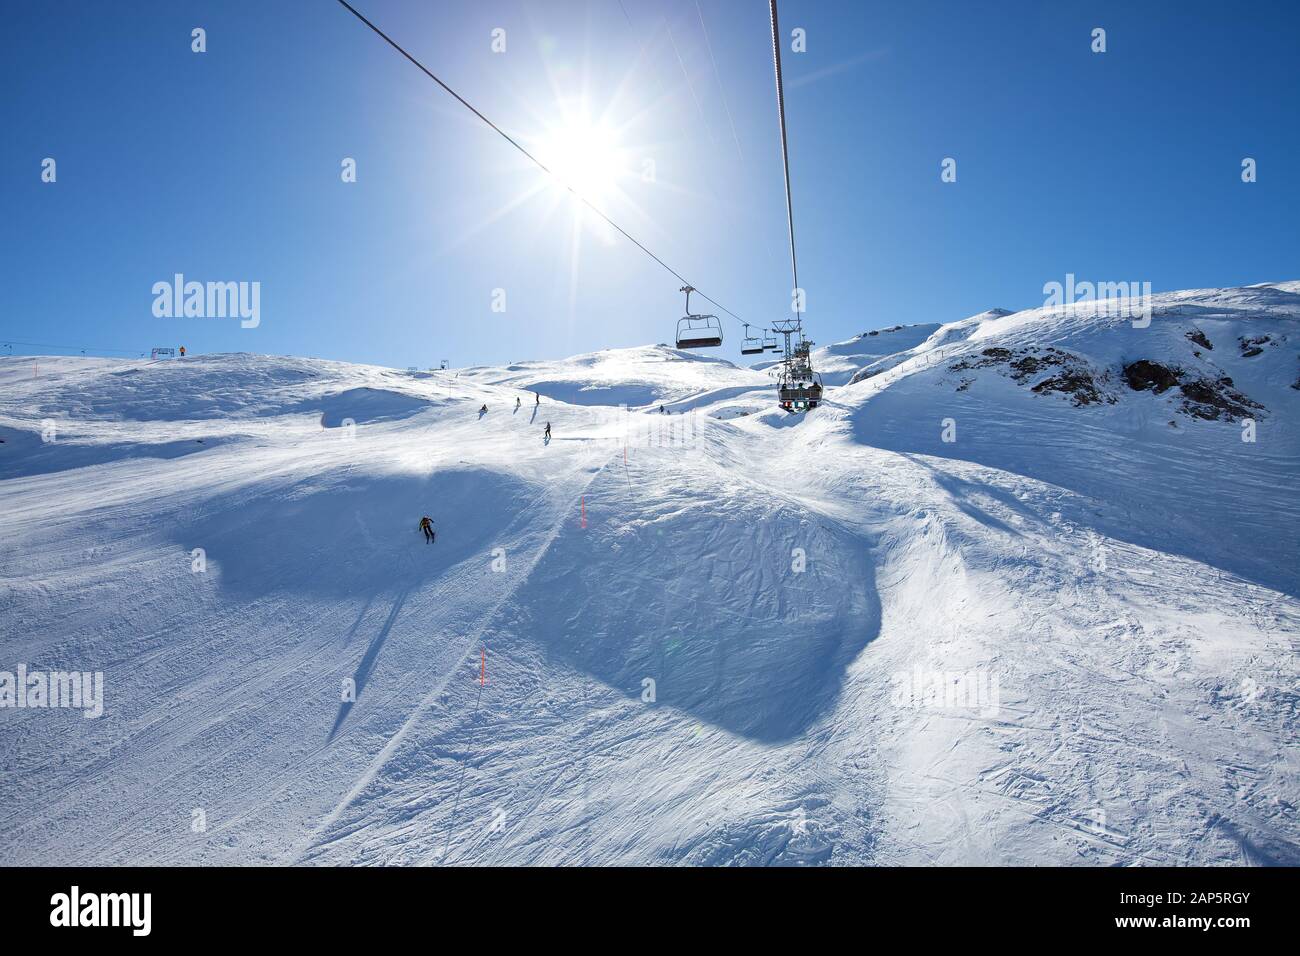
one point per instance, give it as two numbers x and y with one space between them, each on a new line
1127 590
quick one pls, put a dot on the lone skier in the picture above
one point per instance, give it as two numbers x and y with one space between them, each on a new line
539 399
483 411
426 525
518 402
548 431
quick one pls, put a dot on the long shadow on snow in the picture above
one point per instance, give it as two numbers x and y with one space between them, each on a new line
964 494
699 592
368 660
340 536
336 538
22 453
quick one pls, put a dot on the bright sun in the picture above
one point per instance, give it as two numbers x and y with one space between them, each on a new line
585 156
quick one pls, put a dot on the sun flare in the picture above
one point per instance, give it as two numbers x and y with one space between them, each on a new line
585 157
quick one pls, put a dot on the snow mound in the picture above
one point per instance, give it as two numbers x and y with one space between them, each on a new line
637 377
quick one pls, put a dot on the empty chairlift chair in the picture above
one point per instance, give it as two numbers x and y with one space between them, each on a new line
751 345
697 331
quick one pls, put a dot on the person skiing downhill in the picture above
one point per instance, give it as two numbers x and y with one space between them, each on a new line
426 525
518 402
548 431
538 397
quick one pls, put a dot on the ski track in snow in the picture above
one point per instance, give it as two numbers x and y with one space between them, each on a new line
1132 585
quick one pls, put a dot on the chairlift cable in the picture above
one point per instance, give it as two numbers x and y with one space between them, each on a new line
540 165
69 348
785 145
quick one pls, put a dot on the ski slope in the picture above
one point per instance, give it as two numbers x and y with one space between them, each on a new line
1118 568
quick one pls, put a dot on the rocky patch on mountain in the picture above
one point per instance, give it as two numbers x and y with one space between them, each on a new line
1212 399
1048 369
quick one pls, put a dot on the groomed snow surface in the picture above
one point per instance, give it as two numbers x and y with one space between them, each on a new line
720 636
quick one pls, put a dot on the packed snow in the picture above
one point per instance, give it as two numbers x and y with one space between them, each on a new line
712 634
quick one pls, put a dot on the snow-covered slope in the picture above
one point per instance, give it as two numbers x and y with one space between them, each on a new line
646 376
840 362
688 638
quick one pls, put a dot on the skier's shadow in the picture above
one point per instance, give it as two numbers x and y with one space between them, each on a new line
534 418
367 664
481 413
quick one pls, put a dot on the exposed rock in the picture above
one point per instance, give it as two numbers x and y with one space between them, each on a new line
1252 347
1213 400
1078 385
987 358
1210 399
1075 378
1144 374
1199 338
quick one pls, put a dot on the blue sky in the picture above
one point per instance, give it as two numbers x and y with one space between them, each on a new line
225 166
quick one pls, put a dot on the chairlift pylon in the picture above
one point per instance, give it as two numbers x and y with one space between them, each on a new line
697 331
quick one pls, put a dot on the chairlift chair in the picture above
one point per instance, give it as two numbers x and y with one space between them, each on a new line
697 331
751 345
800 394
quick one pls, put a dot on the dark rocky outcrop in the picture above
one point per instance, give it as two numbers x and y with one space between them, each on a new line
1145 374
1210 399
1069 374
1213 400
1253 347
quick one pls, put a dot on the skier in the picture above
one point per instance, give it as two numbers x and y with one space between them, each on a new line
182 351
518 402
662 410
548 431
539 399
483 410
426 525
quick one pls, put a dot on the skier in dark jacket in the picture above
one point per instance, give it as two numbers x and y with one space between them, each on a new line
548 431
426 525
